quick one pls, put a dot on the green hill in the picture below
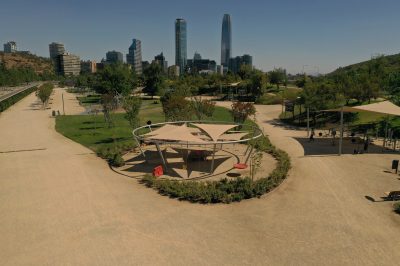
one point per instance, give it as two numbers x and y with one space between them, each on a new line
390 64
38 64
18 68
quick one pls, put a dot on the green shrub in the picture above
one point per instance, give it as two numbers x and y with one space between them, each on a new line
225 190
113 155
396 207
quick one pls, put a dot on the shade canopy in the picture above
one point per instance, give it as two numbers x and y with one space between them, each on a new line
213 130
179 133
233 136
159 130
384 107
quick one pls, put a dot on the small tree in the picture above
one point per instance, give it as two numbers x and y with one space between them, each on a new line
202 108
109 104
241 111
44 93
131 105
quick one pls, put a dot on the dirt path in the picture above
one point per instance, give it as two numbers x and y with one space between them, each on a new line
60 204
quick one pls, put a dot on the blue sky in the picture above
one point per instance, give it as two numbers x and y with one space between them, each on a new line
319 35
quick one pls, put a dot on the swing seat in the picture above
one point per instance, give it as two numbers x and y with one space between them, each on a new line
240 166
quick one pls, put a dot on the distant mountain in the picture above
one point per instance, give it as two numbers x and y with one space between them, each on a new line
25 60
391 63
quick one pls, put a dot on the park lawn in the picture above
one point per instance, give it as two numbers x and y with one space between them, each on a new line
93 132
89 99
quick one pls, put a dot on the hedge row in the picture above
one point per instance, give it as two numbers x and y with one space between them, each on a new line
225 190
12 100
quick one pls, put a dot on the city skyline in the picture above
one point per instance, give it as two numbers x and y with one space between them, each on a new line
310 35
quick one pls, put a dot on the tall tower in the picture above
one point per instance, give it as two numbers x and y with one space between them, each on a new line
226 40
180 44
56 49
134 57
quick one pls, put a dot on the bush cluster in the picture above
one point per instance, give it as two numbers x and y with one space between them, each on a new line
113 154
396 207
225 190
12 100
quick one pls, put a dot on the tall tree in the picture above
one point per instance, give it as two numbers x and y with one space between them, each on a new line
154 80
115 79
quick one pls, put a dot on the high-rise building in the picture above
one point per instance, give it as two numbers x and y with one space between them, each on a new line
180 44
226 40
70 64
88 66
114 57
10 47
134 56
160 60
56 49
236 62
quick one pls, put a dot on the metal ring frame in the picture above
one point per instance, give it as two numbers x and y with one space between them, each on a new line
256 133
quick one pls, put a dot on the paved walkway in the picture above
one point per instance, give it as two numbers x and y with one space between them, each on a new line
60 204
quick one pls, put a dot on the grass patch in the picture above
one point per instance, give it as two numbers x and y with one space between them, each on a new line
93 132
89 99
225 191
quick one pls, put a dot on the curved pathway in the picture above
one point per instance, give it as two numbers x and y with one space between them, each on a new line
60 204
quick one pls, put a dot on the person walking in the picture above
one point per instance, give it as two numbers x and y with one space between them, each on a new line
312 135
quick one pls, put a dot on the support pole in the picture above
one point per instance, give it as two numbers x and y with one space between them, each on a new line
62 96
308 122
386 132
341 131
162 157
140 148
248 156
212 162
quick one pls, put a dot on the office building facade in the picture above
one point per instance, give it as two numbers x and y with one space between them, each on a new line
114 57
88 66
10 47
160 60
180 44
134 56
226 40
197 64
173 71
56 49
236 62
70 64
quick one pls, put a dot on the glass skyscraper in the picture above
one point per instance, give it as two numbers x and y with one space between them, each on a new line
180 44
134 57
226 40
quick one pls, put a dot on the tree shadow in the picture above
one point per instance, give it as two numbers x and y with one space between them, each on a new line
110 140
329 146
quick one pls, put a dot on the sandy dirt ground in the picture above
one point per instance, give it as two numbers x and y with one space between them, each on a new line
61 205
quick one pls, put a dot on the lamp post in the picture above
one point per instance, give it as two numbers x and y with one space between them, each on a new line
308 121
341 131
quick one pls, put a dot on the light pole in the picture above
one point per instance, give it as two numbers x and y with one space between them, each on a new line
341 131
308 121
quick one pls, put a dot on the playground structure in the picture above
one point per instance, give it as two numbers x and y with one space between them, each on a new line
197 142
